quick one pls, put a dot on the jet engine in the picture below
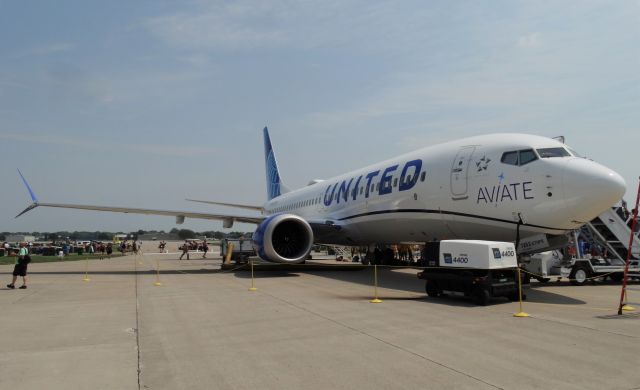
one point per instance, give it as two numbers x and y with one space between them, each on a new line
283 238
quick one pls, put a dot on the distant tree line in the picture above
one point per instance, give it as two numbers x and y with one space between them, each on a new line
104 236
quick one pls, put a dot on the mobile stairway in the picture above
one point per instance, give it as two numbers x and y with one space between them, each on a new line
607 236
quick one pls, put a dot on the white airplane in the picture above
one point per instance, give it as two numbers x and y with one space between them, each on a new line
483 187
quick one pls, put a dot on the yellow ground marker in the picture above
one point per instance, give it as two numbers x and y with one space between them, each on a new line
157 282
521 313
627 307
86 270
253 286
375 285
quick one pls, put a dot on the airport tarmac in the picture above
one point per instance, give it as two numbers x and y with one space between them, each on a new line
202 329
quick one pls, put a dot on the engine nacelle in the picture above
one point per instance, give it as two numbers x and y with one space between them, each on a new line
283 238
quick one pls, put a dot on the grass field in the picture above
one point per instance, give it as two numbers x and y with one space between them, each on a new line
53 259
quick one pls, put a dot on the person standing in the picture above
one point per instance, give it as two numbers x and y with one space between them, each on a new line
109 250
185 250
20 268
205 249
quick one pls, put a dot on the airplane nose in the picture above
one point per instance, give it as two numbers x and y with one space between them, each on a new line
590 188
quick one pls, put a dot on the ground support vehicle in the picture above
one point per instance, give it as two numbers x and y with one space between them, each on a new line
471 268
242 249
546 265
579 271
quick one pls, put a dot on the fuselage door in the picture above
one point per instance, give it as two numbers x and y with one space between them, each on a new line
459 173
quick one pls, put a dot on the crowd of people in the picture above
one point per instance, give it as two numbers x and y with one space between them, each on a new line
23 252
193 245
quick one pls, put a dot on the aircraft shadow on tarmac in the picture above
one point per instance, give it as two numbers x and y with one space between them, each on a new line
387 279
408 282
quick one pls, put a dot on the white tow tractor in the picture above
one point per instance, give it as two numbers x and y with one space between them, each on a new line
472 268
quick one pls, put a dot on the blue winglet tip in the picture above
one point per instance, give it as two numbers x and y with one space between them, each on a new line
33 196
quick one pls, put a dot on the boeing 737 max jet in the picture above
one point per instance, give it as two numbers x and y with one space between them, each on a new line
476 188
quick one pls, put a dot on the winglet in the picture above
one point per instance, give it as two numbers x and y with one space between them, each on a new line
31 207
33 196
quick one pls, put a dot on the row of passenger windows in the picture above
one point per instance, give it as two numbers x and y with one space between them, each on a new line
297 205
352 193
522 157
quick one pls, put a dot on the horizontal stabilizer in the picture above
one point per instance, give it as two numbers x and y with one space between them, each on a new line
240 206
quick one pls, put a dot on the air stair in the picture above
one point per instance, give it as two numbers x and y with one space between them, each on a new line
612 231
341 251
608 236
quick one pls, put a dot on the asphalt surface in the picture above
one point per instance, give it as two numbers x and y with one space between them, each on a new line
203 329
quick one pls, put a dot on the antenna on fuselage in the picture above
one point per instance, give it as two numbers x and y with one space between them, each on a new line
559 138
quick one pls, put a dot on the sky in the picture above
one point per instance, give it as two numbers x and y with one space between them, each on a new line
146 103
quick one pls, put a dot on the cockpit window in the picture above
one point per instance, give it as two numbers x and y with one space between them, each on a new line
526 156
520 157
576 154
553 152
510 158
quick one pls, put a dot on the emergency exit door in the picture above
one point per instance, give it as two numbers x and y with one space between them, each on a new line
459 172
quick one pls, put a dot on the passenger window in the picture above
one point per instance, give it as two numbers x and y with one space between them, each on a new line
361 189
395 182
423 176
553 152
526 156
377 186
510 158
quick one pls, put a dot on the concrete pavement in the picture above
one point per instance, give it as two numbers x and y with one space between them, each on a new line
203 330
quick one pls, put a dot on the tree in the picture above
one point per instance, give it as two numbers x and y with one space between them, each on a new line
186 233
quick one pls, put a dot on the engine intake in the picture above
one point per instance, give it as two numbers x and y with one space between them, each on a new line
283 238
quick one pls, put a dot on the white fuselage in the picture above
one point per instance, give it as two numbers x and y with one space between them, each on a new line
470 188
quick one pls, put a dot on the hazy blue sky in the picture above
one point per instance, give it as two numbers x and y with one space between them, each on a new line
143 103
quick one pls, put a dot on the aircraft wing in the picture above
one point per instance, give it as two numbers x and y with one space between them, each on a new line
180 215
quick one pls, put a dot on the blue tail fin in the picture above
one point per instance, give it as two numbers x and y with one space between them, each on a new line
274 186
